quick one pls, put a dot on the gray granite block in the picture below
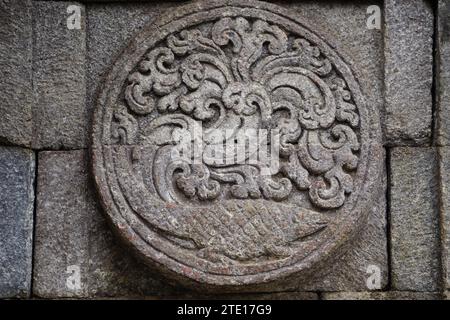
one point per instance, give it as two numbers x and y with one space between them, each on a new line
60 118
443 74
15 66
73 239
16 220
414 219
408 37
444 166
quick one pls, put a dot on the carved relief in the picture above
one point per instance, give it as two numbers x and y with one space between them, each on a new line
224 75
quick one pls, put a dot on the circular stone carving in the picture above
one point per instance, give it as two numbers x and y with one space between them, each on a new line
209 75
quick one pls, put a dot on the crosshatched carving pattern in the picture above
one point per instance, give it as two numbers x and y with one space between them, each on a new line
232 68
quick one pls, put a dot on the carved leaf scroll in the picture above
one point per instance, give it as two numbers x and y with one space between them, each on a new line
188 108
249 74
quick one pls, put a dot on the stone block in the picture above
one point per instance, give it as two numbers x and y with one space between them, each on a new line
17 167
444 169
408 46
443 74
60 118
15 65
414 219
75 252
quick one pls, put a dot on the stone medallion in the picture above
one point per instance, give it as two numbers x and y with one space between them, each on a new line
232 145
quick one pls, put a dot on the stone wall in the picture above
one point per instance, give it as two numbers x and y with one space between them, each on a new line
52 224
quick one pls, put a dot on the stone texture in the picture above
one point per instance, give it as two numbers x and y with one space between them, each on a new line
16 221
390 295
350 272
70 231
408 36
66 206
110 28
362 48
414 219
444 169
109 270
447 295
60 118
15 65
443 74
260 227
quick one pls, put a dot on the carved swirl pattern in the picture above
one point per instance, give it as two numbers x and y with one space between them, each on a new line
248 74
224 72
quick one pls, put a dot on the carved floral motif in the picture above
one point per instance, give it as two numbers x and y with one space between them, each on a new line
229 69
243 74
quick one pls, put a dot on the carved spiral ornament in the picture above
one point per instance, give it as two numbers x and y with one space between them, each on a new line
275 138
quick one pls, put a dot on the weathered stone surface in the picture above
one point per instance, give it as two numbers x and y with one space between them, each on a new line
60 118
232 224
447 295
16 221
408 36
361 48
352 271
15 65
443 74
62 220
78 235
110 28
390 295
444 169
414 219
72 234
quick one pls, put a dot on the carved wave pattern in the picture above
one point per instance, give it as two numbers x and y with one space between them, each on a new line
240 74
